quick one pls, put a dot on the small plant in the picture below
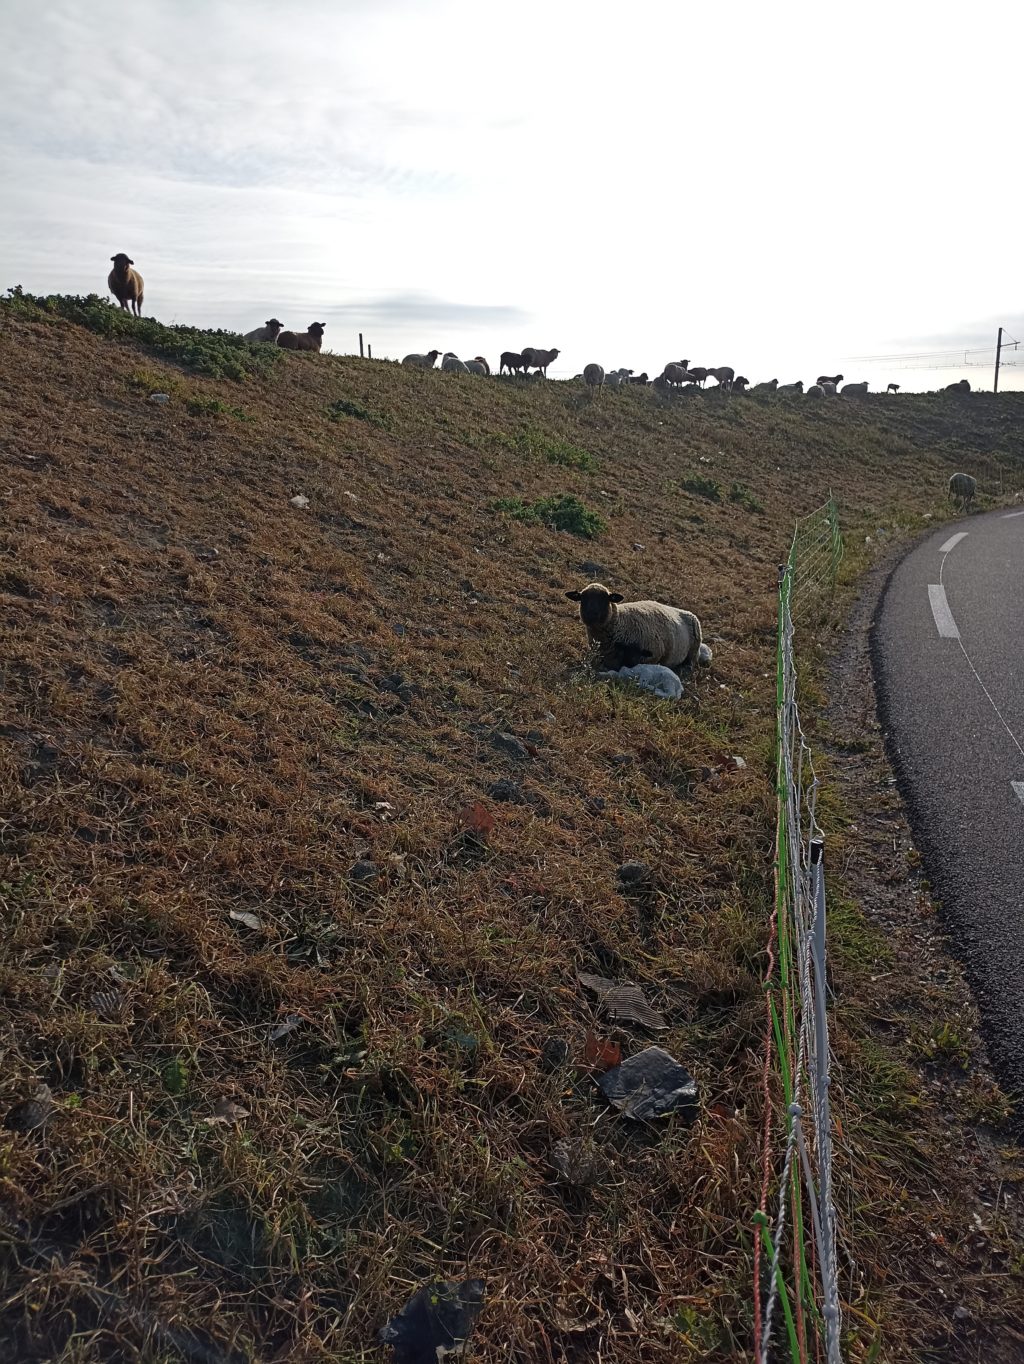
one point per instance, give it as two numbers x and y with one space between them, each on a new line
944 1045
739 492
703 486
536 445
345 407
564 512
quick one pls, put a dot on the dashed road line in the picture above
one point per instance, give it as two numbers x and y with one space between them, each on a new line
944 622
1018 787
953 541
1006 515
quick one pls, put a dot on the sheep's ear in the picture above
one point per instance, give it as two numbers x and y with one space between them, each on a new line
131 262
113 258
575 596
615 596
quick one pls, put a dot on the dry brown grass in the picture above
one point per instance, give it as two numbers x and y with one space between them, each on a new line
214 702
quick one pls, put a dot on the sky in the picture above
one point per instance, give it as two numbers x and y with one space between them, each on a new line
787 188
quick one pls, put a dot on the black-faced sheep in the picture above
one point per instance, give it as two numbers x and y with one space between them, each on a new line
534 358
637 378
427 361
593 376
836 379
311 339
512 361
270 331
962 488
622 632
892 388
791 390
768 387
126 284
961 386
740 384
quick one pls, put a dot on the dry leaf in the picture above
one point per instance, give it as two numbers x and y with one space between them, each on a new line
601 1053
477 819
288 1024
30 1113
227 1111
243 916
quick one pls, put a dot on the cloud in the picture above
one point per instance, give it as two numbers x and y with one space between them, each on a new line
423 310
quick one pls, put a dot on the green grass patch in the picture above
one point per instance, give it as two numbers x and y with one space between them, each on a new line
217 354
703 486
214 407
562 512
538 445
345 407
740 493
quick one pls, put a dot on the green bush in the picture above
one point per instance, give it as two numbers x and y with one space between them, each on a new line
739 492
213 407
563 512
703 487
217 354
344 407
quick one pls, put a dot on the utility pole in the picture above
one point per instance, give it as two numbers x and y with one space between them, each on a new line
999 347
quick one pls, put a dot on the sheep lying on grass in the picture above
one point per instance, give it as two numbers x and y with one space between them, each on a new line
769 386
854 390
270 331
962 488
427 361
961 386
815 391
311 339
654 677
125 283
791 390
625 632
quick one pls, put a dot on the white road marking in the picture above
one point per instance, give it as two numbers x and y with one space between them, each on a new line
953 541
1007 515
1018 786
944 622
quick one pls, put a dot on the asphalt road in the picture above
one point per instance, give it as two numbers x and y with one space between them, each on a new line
948 651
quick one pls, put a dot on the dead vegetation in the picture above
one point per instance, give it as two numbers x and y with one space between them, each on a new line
312 1026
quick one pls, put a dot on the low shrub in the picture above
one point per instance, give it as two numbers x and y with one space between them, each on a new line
562 512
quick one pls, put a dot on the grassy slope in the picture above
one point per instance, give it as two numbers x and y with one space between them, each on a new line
190 733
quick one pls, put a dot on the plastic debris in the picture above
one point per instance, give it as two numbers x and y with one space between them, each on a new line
243 916
227 1111
159 397
299 501
288 1024
436 1322
623 1001
649 1085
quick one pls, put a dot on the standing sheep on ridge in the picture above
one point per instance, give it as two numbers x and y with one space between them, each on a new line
593 375
892 388
427 361
512 361
477 367
697 375
962 488
534 358
724 374
311 339
270 331
791 390
126 284
480 360
836 379
622 632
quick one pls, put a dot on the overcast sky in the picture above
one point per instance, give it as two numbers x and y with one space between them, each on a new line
777 187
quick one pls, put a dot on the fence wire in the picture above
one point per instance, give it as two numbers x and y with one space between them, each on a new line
796 1239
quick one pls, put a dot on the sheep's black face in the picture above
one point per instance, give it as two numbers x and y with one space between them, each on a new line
595 604
121 262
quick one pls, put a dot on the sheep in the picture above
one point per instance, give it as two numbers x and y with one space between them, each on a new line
512 361
675 374
962 488
698 374
427 361
593 375
480 360
739 384
815 391
892 388
854 390
477 367
451 364
270 331
791 390
961 386
125 283
534 358
654 677
829 390
613 378
836 379
770 386
632 378
311 339
724 374
621 630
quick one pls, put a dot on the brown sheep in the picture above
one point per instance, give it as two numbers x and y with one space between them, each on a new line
311 340
125 283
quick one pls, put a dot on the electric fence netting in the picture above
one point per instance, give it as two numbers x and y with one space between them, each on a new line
796 1291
